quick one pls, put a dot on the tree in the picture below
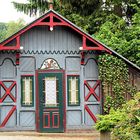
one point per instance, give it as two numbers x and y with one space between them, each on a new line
13 27
82 7
3 28
88 14
7 29
79 12
122 38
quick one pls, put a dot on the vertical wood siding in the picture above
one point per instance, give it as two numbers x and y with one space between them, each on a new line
40 38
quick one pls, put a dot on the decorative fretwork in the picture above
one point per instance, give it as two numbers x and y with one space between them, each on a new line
54 52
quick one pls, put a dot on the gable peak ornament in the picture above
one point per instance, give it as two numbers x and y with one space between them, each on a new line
50 64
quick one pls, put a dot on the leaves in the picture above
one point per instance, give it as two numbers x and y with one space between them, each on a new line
3 27
122 38
7 29
113 73
124 123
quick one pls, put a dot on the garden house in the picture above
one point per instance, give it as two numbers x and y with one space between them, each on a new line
49 77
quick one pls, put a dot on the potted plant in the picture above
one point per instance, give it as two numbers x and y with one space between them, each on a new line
106 123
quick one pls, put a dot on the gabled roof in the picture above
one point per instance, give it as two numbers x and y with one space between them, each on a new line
51 19
48 19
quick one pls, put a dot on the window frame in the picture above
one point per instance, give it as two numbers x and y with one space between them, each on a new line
22 103
68 90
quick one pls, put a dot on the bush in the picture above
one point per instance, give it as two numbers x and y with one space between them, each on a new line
109 121
124 123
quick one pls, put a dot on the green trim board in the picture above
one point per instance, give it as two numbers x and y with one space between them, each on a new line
27 91
73 90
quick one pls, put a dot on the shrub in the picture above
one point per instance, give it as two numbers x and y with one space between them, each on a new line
109 121
124 123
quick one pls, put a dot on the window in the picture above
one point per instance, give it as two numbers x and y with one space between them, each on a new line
51 92
73 90
27 91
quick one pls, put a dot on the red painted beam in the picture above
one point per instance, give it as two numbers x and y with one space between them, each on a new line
17 58
92 90
7 91
51 21
84 42
17 47
43 24
54 24
8 116
90 113
82 58
8 48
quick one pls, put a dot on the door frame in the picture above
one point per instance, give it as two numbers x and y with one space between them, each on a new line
37 95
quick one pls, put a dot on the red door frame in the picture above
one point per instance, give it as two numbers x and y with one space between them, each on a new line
37 95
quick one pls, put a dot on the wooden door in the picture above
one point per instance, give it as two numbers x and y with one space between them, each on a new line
50 101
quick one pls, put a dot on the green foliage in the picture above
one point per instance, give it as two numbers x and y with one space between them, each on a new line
113 73
81 12
108 122
82 7
32 7
13 27
129 126
7 29
124 123
3 27
122 38
87 14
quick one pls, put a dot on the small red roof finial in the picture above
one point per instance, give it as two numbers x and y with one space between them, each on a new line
50 4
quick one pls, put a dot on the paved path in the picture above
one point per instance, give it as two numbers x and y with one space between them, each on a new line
48 136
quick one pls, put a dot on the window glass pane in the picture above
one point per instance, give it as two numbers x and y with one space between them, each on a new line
27 90
73 90
51 91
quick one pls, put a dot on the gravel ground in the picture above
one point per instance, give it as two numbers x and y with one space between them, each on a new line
49 136
44 138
